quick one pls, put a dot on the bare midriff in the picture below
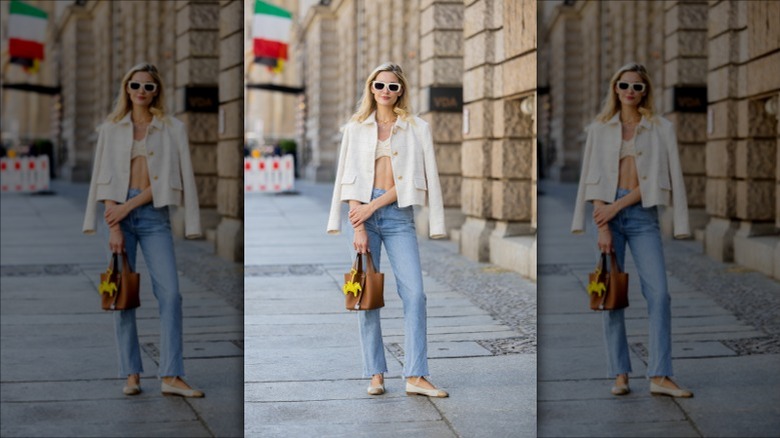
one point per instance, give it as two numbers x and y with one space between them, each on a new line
627 176
383 174
139 173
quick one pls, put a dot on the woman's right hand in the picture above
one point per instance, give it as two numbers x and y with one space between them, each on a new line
116 241
605 240
360 242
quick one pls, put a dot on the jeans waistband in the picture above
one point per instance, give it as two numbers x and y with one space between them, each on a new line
621 193
133 193
375 193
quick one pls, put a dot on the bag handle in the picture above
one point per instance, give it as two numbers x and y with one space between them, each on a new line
370 263
125 264
613 265
357 265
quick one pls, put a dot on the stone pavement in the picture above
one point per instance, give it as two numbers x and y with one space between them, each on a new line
58 374
725 333
303 365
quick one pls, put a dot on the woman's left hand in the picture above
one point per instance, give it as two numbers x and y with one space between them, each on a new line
360 214
115 213
602 214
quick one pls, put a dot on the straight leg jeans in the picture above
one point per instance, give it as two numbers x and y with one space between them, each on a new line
638 227
394 228
150 228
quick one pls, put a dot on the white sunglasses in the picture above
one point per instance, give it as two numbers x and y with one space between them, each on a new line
149 87
637 86
393 87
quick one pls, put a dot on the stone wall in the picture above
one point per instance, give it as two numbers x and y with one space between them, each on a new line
193 44
729 153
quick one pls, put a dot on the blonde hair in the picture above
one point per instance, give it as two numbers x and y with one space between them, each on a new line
612 103
367 102
123 105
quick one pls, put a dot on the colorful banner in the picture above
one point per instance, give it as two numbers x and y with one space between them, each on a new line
26 35
270 34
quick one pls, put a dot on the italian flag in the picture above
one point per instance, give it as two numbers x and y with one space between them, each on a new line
270 34
26 34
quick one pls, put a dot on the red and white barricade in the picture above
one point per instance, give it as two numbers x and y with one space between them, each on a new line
269 174
24 174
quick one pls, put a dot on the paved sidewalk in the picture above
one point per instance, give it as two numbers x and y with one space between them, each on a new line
58 374
303 365
725 333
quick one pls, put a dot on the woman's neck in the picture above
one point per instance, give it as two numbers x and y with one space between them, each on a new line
384 113
629 114
141 115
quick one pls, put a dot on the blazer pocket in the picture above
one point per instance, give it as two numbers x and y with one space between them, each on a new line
104 178
175 179
420 183
664 182
348 179
593 178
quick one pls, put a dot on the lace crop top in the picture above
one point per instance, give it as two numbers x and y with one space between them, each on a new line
627 148
383 148
139 149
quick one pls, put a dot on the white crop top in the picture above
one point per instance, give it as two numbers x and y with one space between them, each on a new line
383 148
627 148
139 149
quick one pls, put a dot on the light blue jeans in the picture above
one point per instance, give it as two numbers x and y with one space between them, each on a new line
638 227
151 228
393 227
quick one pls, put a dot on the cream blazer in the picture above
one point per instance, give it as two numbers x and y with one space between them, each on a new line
657 163
414 168
170 169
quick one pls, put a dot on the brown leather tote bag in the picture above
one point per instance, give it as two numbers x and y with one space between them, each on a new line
364 290
608 290
119 290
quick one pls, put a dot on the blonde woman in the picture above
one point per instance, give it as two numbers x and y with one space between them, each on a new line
631 165
386 165
142 165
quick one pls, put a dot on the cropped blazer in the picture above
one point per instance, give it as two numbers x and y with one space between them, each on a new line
170 169
657 164
414 169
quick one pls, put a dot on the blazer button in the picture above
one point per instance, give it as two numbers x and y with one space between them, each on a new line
395 153
644 177
155 177
151 153
639 153
400 177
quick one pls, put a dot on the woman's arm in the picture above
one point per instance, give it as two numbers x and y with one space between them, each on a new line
603 213
360 241
359 213
116 212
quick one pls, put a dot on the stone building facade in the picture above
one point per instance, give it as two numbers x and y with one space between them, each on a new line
714 66
478 52
197 47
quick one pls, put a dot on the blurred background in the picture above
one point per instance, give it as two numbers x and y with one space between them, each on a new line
714 66
471 66
53 100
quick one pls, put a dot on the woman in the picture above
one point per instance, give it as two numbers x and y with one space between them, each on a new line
138 136
386 165
631 165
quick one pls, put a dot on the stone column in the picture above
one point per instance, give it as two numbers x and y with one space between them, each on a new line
442 77
322 98
757 240
197 65
682 91
565 66
76 72
723 34
230 174
513 152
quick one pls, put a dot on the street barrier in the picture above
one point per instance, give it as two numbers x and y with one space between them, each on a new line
269 174
24 174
